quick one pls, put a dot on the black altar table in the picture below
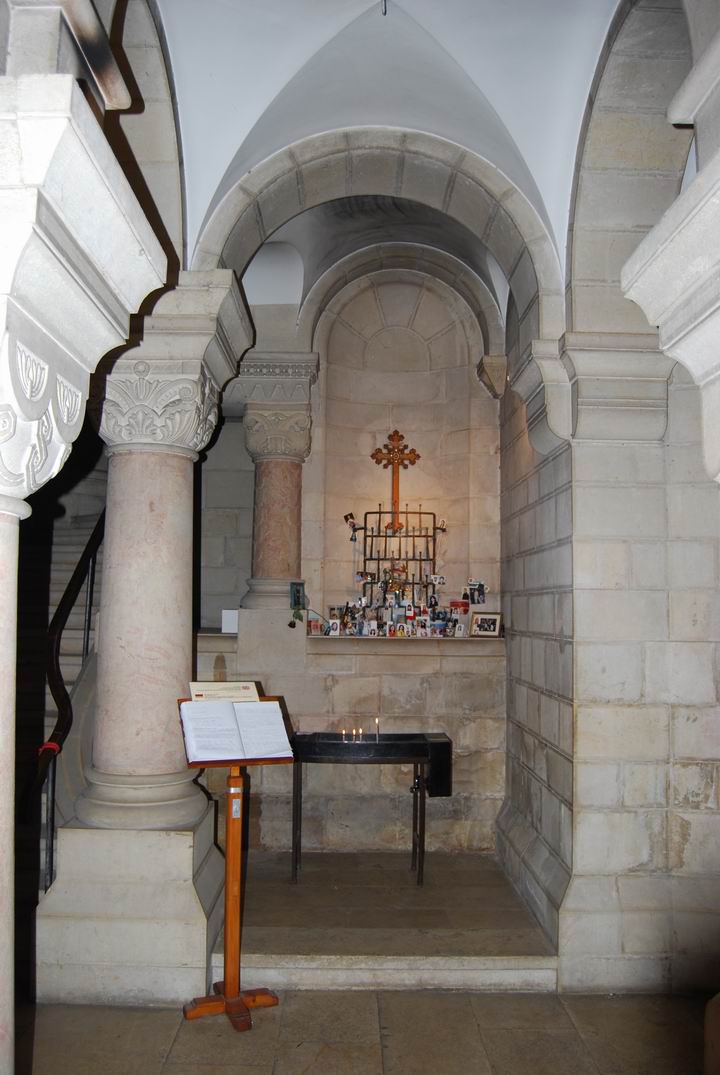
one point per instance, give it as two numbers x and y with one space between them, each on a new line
429 753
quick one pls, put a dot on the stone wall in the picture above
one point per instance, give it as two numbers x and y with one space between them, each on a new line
401 354
535 826
227 477
642 908
455 686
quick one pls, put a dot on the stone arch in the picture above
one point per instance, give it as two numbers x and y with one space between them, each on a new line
424 260
146 137
382 161
630 161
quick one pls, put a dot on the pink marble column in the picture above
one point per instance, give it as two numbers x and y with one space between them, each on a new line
277 519
139 777
11 512
278 439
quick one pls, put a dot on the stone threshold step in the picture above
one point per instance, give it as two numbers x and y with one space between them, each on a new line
511 974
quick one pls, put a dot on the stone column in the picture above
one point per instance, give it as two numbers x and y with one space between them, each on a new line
157 415
11 512
276 391
144 858
69 281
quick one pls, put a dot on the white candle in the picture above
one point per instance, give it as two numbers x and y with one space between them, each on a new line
377 729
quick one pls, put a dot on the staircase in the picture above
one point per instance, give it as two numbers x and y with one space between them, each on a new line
68 545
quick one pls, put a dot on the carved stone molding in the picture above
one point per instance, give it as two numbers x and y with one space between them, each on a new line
269 377
146 404
619 386
674 277
542 382
69 280
277 434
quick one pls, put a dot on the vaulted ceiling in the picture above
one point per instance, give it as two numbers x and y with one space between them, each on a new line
507 79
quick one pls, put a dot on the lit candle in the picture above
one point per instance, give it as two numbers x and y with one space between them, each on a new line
377 729
354 732
343 735
361 735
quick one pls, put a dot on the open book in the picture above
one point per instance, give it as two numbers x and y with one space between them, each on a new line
221 730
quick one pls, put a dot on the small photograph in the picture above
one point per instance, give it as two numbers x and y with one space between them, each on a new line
460 630
334 631
315 627
372 628
400 631
485 625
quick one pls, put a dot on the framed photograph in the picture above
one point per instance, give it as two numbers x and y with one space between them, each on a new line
315 627
485 625
334 628
460 630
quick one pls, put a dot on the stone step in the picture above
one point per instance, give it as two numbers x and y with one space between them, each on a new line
508 974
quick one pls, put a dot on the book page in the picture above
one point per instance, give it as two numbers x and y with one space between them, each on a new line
262 730
211 731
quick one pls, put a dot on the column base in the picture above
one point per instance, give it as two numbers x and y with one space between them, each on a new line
267 593
122 924
115 801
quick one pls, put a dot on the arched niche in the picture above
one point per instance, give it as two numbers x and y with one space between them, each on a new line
399 349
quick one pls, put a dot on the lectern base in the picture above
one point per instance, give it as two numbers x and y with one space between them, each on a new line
236 1008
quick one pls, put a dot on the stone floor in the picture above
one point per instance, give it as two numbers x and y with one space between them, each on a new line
368 903
374 1033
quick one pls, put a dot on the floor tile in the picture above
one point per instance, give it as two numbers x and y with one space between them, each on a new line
213 1040
522 1011
429 1034
114 1033
316 1058
213 1069
639 1035
337 1017
537 1052
54 1063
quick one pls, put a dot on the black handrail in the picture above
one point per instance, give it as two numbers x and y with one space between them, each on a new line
85 570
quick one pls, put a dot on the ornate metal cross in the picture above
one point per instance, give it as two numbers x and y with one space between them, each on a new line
395 454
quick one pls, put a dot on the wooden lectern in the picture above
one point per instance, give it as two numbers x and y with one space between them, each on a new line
227 996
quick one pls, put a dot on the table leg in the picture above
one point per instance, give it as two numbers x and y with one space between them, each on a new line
421 826
414 791
296 820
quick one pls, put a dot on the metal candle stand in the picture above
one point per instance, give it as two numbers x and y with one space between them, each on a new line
401 555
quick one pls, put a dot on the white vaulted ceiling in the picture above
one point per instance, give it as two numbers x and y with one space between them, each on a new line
506 78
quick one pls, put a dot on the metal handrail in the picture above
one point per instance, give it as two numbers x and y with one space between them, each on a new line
83 575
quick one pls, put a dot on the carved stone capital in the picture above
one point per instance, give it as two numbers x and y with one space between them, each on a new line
269 378
150 405
68 280
165 393
274 433
619 386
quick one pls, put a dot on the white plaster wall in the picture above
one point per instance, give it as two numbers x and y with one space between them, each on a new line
227 477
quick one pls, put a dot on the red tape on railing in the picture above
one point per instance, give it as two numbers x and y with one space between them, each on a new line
55 747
